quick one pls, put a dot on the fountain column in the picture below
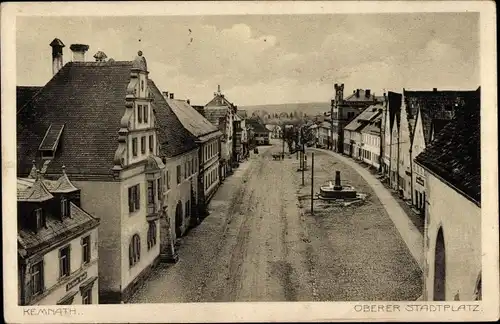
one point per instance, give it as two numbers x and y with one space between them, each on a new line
338 185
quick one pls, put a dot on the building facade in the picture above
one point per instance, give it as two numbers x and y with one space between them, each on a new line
452 238
116 167
57 244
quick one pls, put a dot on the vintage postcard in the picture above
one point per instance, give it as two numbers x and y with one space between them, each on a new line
249 161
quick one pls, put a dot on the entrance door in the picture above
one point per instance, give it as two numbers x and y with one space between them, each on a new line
440 268
178 219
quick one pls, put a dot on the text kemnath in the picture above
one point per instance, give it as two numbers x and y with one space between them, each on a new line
390 308
62 311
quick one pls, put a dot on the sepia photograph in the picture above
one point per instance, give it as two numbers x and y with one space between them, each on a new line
203 158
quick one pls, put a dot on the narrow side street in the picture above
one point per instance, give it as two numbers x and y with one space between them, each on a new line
259 243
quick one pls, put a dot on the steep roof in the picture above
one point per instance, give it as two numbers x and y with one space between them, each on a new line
361 120
174 139
24 94
219 100
455 153
436 105
214 114
192 120
89 98
394 103
242 113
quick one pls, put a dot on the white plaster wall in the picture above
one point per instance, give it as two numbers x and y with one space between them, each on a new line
461 223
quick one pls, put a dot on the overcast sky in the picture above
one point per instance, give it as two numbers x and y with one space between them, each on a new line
269 59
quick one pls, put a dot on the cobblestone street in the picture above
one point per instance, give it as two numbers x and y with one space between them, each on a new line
260 243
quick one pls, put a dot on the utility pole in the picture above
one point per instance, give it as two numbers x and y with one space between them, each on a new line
312 183
303 154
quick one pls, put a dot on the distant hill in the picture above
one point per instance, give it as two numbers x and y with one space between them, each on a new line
309 108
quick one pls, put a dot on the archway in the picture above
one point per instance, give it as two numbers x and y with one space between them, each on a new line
440 268
178 219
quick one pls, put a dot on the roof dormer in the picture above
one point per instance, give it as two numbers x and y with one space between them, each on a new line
50 141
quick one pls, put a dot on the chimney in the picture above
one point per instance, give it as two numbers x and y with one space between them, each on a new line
100 56
79 52
171 95
357 93
165 94
57 55
188 102
367 93
434 89
218 88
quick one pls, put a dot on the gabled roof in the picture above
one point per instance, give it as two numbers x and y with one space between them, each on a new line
362 120
192 120
394 103
437 105
455 154
257 126
437 125
89 98
36 192
24 94
219 100
214 114
242 113
174 139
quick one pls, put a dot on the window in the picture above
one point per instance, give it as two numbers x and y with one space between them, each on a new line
142 84
134 250
134 198
87 297
139 113
37 278
151 146
40 218
64 262
168 179
151 235
143 144
179 174
159 189
134 146
146 113
151 197
86 249
64 207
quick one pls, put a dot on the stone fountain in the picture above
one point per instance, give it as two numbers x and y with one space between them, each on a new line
337 190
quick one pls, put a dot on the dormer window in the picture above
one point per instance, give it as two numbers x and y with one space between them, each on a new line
39 218
50 141
64 207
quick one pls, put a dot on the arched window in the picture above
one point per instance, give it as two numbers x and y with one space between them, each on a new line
134 250
151 235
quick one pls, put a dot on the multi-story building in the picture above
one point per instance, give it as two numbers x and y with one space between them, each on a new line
57 243
371 142
179 151
343 110
208 138
259 131
434 109
324 134
452 238
353 137
96 119
220 112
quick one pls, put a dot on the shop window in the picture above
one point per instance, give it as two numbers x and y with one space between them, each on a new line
86 249
87 297
134 250
64 262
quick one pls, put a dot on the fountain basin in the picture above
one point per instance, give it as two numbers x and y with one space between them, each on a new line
345 192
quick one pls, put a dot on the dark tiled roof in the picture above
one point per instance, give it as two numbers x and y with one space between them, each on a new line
24 94
37 191
257 126
89 97
360 121
214 114
455 153
435 105
394 102
173 137
192 120
438 124
56 229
